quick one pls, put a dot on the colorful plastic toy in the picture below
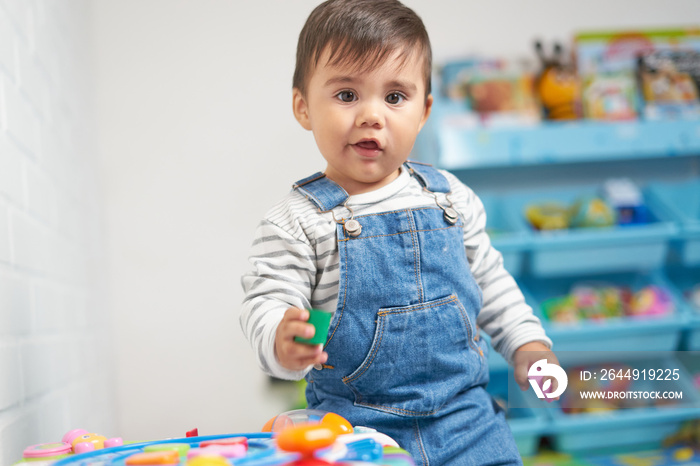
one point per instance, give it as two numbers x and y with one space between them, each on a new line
321 320
588 212
600 301
81 441
298 438
548 216
650 301
75 441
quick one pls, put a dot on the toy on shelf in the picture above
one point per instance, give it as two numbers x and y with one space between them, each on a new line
591 212
298 438
618 202
548 216
650 301
586 212
598 302
557 85
609 97
615 65
668 80
625 197
493 92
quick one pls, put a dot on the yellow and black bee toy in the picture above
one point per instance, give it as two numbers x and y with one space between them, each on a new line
557 85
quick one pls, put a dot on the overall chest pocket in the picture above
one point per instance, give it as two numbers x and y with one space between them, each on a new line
421 356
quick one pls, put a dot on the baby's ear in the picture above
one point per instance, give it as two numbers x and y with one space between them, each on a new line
301 110
426 110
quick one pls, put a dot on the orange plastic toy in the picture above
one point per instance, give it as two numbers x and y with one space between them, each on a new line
306 439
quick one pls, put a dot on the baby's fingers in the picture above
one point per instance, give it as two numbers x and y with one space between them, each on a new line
300 356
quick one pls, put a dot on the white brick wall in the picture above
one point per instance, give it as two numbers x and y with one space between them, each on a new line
55 372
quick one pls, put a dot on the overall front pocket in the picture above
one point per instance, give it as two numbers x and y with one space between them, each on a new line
422 355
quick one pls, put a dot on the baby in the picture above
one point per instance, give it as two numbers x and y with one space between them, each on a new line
396 250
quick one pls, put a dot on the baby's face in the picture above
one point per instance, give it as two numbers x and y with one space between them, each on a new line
364 123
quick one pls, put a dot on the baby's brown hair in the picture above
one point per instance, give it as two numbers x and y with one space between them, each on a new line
362 33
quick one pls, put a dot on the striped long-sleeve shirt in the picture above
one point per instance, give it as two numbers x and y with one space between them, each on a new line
295 263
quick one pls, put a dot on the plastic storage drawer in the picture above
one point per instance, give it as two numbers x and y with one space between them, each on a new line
527 423
684 280
655 333
626 428
507 235
591 250
680 202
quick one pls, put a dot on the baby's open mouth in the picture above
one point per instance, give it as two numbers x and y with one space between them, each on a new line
369 145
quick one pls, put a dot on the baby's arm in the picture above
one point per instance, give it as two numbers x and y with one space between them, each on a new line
277 292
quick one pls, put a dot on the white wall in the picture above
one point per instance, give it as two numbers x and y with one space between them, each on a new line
55 367
197 140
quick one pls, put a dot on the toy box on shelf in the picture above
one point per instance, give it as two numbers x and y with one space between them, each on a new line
627 422
588 249
686 289
680 202
607 312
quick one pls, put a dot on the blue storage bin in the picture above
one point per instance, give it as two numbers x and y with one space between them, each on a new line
591 250
683 280
680 202
527 423
612 334
691 362
627 428
508 235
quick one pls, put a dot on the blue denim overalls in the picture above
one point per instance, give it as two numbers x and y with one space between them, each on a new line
404 353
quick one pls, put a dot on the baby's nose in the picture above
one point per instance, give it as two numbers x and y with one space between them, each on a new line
370 114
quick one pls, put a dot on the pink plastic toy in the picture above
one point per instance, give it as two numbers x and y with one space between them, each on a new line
82 441
44 450
651 301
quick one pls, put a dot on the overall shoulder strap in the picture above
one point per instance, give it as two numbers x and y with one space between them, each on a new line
429 176
320 190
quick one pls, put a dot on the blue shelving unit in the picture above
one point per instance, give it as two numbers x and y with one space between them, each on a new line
463 145
547 264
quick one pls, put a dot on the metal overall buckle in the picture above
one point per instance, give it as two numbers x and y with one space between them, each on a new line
351 226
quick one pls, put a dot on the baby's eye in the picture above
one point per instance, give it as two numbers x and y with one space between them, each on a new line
346 96
394 98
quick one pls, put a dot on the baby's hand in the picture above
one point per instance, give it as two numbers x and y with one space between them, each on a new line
526 356
290 354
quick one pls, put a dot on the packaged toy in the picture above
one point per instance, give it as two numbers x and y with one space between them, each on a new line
669 81
609 66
